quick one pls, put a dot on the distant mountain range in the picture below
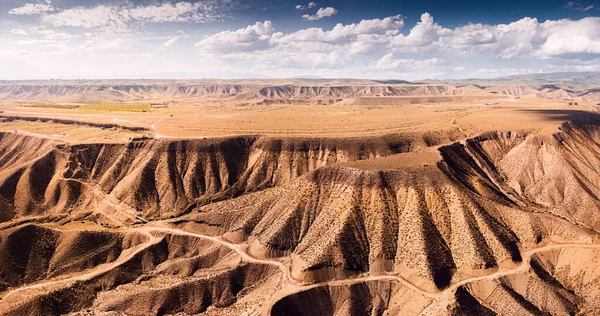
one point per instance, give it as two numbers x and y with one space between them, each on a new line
569 78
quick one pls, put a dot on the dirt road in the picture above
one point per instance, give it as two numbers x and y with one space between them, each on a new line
5 302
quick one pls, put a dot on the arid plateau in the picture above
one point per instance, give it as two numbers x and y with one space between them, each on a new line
300 197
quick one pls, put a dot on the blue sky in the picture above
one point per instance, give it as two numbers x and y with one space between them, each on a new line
42 39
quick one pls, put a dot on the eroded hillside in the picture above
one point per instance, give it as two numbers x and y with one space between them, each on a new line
167 178
268 92
502 223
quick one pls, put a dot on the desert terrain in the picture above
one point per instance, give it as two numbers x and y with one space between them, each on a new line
300 197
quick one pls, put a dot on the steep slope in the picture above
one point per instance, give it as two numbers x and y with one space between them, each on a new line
558 173
165 178
463 218
553 284
164 274
365 298
493 227
32 253
337 222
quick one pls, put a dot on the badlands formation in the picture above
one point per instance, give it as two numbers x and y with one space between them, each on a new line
299 197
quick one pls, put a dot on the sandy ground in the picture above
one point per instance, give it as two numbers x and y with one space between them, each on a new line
211 120
229 220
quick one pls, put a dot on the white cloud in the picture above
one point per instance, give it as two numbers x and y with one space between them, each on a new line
252 38
424 33
343 34
525 38
109 15
54 35
427 49
368 48
571 39
85 17
18 32
322 13
363 37
310 5
180 12
502 72
388 62
32 9
170 42
48 34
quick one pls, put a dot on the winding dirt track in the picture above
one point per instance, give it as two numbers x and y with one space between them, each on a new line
245 256
91 274
289 285
521 267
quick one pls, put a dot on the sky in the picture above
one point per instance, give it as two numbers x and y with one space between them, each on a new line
376 39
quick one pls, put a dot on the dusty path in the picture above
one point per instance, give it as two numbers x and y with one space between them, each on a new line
148 230
155 133
89 275
454 123
289 285
447 293
287 279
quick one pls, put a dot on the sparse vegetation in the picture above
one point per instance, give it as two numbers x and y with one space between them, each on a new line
302 194
116 107
52 106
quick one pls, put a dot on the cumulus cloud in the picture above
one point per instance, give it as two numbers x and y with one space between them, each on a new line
373 47
378 46
252 38
32 9
571 39
103 15
310 5
362 36
322 13
424 33
525 38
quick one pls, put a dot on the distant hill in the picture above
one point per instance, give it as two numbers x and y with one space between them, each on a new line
555 77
